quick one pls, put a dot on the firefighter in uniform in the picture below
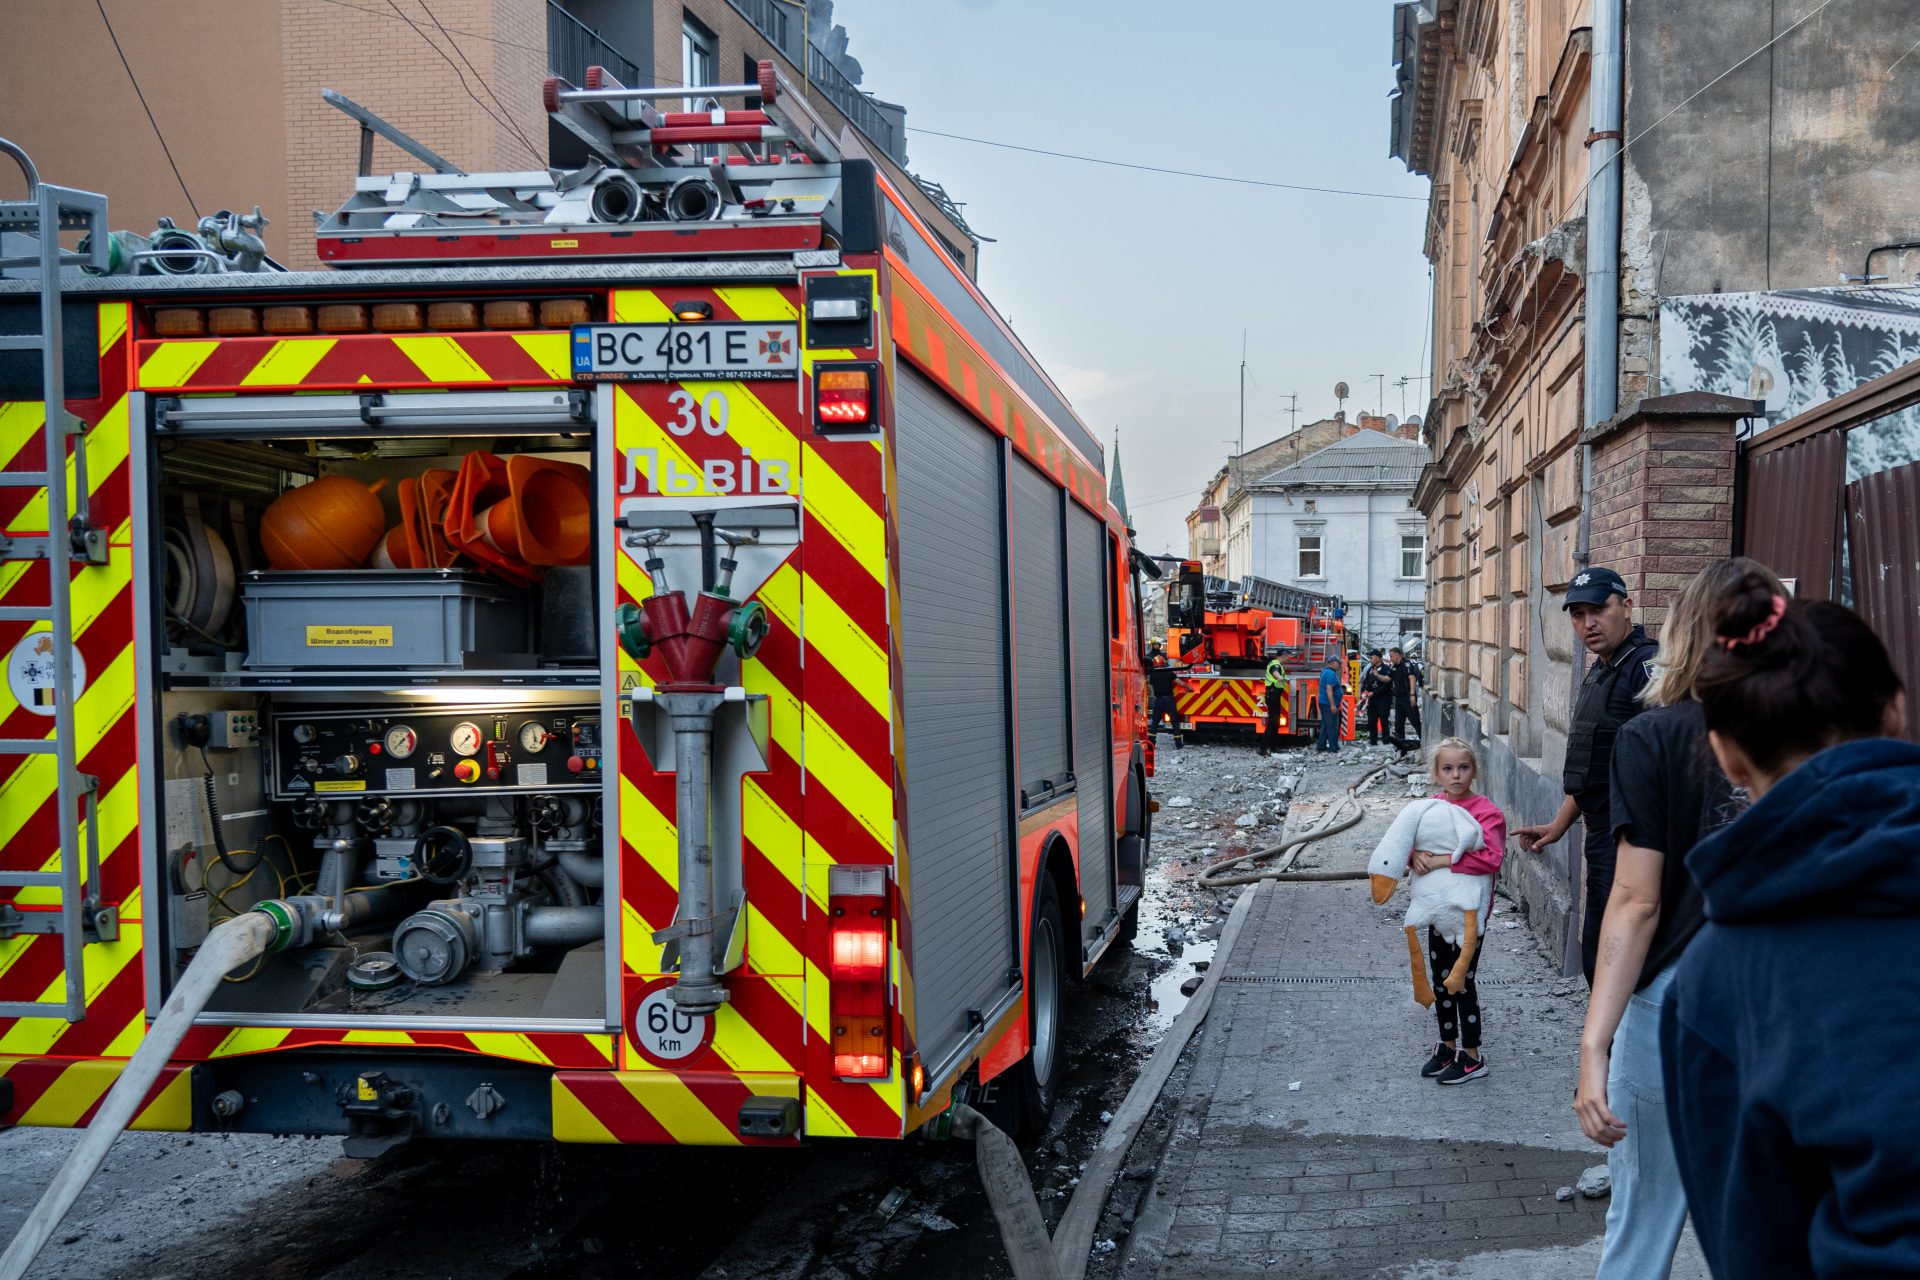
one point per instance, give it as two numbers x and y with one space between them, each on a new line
1276 699
1602 615
1160 677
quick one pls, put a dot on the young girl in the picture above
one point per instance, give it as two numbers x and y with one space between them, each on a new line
1456 1058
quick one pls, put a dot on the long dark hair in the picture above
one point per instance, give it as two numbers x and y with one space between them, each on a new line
1789 678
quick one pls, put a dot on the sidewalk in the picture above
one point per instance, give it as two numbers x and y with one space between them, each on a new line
1364 1168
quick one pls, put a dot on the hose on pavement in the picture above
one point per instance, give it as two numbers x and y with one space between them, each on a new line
229 945
1342 815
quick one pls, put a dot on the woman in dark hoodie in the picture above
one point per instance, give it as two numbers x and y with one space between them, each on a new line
1790 1040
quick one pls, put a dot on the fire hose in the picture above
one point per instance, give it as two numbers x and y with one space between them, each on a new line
229 945
1002 1172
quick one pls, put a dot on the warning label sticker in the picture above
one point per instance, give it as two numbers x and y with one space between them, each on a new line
340 784
329 637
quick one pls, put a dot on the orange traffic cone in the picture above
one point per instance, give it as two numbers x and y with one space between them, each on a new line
547 516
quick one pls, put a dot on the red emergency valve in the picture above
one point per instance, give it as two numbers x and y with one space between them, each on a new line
575 764
466 771
493 760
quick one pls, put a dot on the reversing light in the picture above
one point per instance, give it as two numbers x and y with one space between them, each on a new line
843 397
693 310
819 309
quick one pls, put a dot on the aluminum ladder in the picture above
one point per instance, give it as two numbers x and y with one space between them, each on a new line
43 216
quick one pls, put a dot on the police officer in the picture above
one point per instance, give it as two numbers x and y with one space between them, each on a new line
1403 682
1376 691
1276 693
1602 615
1160 677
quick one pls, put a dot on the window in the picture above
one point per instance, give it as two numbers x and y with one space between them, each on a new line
699 56
1413 555
1413 626
1310 555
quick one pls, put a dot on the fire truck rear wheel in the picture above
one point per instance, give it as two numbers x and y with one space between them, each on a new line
1045 1064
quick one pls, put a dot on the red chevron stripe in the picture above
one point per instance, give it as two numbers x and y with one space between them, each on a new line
611 1104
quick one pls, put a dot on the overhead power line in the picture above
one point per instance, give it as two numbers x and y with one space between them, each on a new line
133 80
462 78
1178 173
511 122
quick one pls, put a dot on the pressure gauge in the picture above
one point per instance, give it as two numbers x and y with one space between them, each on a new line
534 737
466 738
304 734
401 740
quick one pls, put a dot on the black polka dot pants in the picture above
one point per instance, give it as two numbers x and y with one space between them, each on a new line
1459 1014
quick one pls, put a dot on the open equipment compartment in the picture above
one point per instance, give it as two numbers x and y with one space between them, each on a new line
407 761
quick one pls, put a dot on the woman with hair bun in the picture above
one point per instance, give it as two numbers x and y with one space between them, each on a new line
1791 1037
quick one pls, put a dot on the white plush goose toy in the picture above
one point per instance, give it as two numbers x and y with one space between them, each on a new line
1453 902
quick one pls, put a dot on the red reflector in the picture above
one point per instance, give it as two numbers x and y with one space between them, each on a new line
843 396
859 1064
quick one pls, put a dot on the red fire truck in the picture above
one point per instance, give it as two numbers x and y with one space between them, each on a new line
1229 631
649 638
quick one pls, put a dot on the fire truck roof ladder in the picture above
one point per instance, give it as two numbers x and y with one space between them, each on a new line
46 212
621 127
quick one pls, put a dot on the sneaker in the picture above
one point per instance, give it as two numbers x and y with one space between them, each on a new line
1442 1059
1463 1069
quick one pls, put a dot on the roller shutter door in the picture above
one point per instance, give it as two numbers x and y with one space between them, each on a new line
1087 597
1040 635
959 853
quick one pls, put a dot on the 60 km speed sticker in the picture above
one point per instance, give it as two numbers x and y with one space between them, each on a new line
666 1034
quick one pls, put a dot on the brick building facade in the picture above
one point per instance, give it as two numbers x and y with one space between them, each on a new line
1745 187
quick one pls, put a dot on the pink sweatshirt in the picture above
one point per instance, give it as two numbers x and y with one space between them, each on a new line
1483 861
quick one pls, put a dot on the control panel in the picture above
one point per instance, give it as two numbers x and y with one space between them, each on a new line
438 751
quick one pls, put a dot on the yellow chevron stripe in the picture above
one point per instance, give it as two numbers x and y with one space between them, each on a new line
288 362
376 1037
443 360
774 832
172 1110
107 445
31 1037
758 303
100 705
847 648
636 942
832 502
639 306
20 422
71 1094
250 1040
866 795
773 953
119 815
679 1111
171 364
507 1044
751 424
549 351
573 1121
634 428
123 1045
818 1120
737 1041
114 317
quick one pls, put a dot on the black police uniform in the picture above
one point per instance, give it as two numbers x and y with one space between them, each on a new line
1378 690
1609 697
1405 707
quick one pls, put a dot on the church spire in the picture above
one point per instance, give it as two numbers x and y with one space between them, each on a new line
1117 485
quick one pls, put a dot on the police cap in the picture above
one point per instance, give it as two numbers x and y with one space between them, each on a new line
1593 586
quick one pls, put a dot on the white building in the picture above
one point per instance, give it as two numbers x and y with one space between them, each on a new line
1341 521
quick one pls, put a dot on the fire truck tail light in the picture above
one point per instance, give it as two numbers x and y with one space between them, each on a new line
843 396
858 1005
837 308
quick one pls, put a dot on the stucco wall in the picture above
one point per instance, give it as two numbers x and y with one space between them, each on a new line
1360 551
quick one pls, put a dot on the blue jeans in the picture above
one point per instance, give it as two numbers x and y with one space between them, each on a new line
1330 729
1649 1205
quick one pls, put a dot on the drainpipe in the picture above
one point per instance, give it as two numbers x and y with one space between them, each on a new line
1604 164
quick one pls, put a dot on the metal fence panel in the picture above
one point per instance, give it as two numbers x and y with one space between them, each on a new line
1791 512
1883 540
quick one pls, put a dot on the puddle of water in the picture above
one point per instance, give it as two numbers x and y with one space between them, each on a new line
1173 962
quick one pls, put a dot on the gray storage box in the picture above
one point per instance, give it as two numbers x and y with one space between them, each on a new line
431 618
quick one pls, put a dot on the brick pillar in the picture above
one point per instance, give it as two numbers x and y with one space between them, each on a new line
1663 492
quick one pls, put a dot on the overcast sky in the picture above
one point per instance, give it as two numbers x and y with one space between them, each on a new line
1133 288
